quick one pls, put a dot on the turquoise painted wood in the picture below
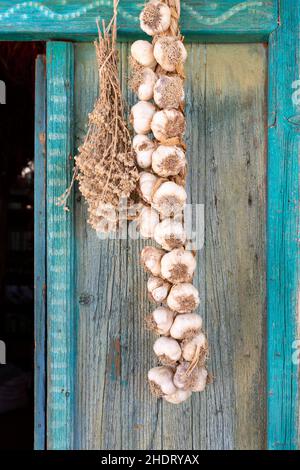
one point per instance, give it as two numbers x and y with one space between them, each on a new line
283 230
40 254
61 310
234 20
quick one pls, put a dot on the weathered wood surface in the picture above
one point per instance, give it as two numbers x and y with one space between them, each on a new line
226 110
61 309
283 232
73 18
40 255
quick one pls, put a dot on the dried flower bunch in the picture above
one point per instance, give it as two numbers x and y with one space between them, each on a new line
159 123
105 164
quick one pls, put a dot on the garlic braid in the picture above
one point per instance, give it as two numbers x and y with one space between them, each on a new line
157 73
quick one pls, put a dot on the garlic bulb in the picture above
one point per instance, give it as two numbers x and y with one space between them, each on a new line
178 397
161 381
169 234
158 289
150 259
178 266
169 199
194 346
168 160
147 183
187 379
141 116
186 325
142 52
160 320
145 90
183 298
148 220
168 92
155 18
167 350
169 52
167 124
144 148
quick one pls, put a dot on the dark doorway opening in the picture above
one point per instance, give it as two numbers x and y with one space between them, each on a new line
17 76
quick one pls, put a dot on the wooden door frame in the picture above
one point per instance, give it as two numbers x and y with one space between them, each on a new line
272 21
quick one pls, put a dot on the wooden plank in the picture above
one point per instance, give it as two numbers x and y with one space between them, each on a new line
40 254
234 409
283 232
221 20
61 311
227 174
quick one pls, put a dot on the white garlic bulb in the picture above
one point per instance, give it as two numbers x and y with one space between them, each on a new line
183 298
147 183
161 381
168 160
145 90
192 346
160 320
150 259
158 289
144 148
169 52
178 397
142 52
169 234
178 266
141 116
169 199
187 379
148 219
168 92
167 124
186 325
155 18
167 350
200 380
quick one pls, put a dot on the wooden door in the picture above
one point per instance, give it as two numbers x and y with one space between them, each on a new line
226 136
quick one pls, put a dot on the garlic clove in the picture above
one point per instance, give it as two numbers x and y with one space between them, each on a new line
169 234
168 92
158 289
178 397
186 378
169 199
148 220
145 90
150 259
195 348
168 160
178 266
183 298
144 148
160 320
155 18
170 53
168 124
186 325
161 381
167 350
142 52
141 116
147 183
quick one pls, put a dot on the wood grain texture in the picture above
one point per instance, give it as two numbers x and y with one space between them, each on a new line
232 20
225 93
61 310
283 232
40 254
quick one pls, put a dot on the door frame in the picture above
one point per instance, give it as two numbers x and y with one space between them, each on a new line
275 22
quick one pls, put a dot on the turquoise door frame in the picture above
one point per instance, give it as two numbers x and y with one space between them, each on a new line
229 21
